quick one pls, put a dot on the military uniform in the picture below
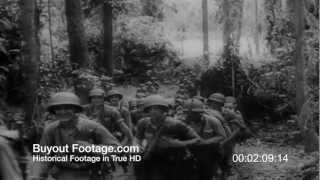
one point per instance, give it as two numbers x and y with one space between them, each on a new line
125 114
107 115
172 129
137 114
208 156
71 129
237 123
218 115
166 163
122 107
77 129
209 128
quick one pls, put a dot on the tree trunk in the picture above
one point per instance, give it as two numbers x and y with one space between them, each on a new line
50 31
227 24
107 60
79 55
304 109
77 41
306 125
205 32
238 36
256 31
30 55
299 59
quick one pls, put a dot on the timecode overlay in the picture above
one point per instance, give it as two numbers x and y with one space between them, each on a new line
256 158
270 159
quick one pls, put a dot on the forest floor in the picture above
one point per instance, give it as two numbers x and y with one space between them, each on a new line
276 140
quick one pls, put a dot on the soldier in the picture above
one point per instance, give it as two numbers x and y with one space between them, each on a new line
216 103
211 131
234 118
107 115
115 99
165 156
70 128
137 113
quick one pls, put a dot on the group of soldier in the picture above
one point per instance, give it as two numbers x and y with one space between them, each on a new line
195 141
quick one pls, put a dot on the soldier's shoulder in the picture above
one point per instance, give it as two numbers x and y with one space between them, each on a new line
51 126
211 119
239 114
84 121
170 121
86 106
209 112
109 108
144 120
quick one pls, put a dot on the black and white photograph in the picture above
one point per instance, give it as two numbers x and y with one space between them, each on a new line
159 89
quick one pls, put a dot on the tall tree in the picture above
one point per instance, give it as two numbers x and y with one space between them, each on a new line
299 59
50 30
205 31
107 60
239 19
256 31
232 10
227 29
77 41
304 108
30 55
78 48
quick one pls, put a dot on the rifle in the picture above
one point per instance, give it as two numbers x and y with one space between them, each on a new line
153 143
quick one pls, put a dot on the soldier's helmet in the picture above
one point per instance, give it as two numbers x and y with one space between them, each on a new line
96 92
194 105
230 99
216 97
202 99
114 93
155 100
64 98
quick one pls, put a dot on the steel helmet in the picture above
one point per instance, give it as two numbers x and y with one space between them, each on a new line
194 105
155 100
96 92
230 99
217 97
202 99
114 93
64 98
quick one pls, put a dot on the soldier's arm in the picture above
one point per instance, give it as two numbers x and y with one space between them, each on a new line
239 127
123 127
104 136
238 119
140 131
191 137
127 118
220 133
